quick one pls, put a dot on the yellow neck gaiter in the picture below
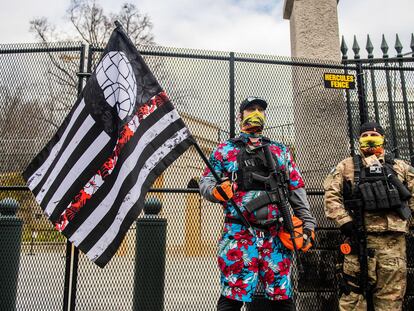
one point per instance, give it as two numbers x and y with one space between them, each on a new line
253 123
370 145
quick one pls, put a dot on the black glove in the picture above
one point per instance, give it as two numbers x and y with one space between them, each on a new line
308 239
347 229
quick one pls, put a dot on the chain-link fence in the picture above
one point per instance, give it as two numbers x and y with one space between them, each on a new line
38 86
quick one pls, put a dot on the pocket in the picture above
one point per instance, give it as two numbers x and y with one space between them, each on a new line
351 265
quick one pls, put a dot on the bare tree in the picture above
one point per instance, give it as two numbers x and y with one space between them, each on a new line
93 26
137 26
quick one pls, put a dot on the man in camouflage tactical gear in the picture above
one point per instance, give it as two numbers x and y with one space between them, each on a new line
385 208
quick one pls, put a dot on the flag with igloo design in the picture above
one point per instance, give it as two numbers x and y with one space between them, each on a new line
122 133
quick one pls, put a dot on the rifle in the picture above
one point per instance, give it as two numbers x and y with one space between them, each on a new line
277 193
359 240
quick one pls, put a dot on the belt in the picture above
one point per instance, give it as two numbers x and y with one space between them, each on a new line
256 226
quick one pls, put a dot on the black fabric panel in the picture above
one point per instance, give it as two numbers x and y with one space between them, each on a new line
135 211
43 154
92 167
83 115
90 206
129 183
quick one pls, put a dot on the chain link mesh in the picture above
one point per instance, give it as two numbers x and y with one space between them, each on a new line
38 86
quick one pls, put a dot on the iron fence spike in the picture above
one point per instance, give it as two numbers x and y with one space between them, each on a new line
384 47
369 47
412 43
344 48
398 46
355 48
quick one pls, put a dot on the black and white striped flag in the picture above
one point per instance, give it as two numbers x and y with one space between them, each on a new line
122 133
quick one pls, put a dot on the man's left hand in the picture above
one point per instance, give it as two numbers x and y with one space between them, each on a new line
308 239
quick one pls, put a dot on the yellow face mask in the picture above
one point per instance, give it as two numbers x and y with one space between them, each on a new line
370 145
253 123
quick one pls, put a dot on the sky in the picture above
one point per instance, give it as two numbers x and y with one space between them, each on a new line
250 26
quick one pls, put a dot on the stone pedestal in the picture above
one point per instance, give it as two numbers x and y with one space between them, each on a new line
321 136
314 30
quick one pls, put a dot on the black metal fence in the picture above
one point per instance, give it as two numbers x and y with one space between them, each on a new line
38 85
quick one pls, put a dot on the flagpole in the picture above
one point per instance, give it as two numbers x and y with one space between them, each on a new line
118 24
218 179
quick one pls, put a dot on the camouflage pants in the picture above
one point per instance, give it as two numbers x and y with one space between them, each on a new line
387 272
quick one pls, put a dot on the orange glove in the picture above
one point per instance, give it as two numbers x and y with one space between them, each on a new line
308 239
224 191
298 234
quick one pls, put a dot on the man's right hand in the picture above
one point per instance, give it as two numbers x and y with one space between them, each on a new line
347 229
224 191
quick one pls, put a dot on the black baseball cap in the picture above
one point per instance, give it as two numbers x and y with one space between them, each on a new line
371 126
252 100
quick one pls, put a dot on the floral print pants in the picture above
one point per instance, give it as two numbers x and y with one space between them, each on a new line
244 259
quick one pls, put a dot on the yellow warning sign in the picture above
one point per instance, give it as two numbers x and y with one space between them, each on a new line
339 81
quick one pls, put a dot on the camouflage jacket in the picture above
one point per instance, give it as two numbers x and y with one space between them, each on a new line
374 221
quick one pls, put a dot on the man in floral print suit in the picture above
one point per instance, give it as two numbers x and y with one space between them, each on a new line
244 258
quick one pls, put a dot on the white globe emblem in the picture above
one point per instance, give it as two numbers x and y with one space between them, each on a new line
117 81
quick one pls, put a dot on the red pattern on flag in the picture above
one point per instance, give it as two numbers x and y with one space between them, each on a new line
126 133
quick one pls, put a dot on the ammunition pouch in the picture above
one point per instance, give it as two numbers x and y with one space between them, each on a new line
262 214
259 202
379 189
375 196
368 197
394 198
260 206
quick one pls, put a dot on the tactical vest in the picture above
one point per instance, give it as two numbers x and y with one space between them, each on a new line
378 188
250 161
254 161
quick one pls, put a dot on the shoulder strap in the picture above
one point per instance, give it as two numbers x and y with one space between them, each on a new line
389 166
389 159
237 141
266 140
357 169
